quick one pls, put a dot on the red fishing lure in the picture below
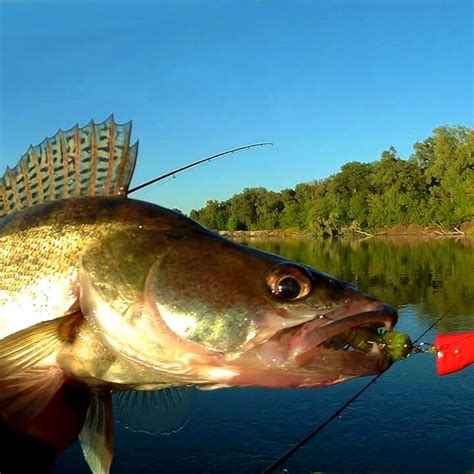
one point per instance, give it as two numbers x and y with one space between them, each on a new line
454 352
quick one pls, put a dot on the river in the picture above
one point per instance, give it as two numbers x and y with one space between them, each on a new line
410 420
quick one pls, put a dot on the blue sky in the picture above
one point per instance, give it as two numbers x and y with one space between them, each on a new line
327 81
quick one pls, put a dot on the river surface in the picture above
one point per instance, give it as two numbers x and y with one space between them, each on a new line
409 421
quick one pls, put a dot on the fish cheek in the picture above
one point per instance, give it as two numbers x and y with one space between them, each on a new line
200 302
112 279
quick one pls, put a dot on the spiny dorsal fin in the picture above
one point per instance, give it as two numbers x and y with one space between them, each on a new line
96 160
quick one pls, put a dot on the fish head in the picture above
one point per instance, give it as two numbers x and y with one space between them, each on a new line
267 320
204 310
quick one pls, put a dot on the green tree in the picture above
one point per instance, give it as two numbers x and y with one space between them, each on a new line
290 216
434 186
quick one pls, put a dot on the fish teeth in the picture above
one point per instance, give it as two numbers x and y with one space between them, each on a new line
376 349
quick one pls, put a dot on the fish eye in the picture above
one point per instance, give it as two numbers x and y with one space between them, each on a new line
288 288
288 282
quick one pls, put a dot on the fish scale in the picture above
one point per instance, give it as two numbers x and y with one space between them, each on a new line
38 268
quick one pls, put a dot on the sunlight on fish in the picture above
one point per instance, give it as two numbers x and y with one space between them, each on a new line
102 294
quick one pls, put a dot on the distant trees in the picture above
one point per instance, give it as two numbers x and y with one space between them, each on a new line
434 186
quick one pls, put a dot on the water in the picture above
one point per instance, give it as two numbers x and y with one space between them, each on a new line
410 420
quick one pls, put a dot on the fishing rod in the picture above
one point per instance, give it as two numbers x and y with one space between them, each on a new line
340 410
196 163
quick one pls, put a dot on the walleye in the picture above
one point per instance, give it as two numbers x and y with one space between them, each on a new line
100 293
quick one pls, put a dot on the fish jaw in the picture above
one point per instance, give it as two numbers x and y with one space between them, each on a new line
307 355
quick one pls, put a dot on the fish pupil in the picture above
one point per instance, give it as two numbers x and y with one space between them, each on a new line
288 288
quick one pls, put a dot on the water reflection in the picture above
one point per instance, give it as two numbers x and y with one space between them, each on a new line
433 274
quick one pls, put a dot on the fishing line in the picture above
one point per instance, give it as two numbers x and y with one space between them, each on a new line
196 163
340 410
434 324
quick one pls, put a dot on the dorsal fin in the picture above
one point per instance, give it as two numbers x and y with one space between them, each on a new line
96 160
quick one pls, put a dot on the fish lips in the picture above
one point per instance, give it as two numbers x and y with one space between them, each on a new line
333 323
300 356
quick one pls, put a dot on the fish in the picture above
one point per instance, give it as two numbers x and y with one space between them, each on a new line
102 294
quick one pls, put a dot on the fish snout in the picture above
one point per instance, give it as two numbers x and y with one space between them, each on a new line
391 313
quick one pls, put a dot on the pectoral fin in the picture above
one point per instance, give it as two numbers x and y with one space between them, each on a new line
97 433
24 396
25 349
32 394
38 402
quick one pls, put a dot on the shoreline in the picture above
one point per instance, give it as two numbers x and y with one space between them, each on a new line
291 234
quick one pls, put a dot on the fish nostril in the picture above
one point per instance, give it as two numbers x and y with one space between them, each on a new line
391 313
374 305
389 310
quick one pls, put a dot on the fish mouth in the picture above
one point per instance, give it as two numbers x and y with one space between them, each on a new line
343 329
332 347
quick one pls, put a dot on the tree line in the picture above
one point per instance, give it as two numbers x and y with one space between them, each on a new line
434 186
